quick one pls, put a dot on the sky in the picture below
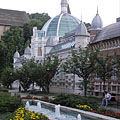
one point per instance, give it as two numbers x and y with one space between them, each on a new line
109 10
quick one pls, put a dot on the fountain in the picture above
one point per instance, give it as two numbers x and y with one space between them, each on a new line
79 117
39 106
57 111
54 114
27 104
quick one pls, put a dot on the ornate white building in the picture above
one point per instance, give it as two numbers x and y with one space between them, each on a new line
59 36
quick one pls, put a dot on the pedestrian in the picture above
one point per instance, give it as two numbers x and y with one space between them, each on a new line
106 99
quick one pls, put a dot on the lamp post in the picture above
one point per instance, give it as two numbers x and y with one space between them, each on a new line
11 79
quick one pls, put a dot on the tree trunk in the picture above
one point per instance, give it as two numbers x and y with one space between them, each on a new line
104 85
85 87
47 89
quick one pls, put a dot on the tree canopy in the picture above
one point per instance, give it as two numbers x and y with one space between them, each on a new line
36 20
2 55
43 17
104 68
40 73
13 40
81 63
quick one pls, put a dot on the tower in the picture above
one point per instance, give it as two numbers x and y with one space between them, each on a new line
96 26
16 56
64 6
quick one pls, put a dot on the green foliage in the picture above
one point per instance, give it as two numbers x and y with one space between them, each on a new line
39 73
82 64
5 116
2 55
74 100
24 73
27 31
2 89
8 103
43 17
28 28
7 76
104 68
36 20
12 39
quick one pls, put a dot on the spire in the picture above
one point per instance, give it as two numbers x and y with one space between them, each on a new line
97 10
68 9
81 17
64 6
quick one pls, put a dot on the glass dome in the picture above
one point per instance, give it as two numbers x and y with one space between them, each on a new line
60 25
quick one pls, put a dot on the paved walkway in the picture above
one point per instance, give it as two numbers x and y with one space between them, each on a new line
25 94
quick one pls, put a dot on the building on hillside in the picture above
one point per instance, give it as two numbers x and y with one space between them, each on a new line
11 17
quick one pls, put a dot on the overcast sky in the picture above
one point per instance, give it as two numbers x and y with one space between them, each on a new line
109 10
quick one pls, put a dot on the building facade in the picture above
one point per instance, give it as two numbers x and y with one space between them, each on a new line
106 39
64 33
58 36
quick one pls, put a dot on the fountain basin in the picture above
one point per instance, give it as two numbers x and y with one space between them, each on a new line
88 115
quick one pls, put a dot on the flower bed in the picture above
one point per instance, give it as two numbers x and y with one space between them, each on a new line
85 107
24 114
102 111
108 112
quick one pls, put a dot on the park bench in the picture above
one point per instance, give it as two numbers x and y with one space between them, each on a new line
115 100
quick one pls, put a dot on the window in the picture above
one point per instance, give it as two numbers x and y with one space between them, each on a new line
39 51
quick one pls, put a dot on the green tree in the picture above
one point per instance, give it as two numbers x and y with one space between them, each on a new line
43 17
12 39
7 76
2 55
46 71
40 73
104 68
28 28
81 63
24 74
27 31
51 68
116 65
36 20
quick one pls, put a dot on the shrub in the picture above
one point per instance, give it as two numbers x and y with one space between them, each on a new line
73 100
45 98
2 89
8 103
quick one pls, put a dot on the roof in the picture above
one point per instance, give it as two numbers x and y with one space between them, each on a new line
27 51
16 55
81 30
61 24
50 42
20 59
63 46
108 32
13 17
96 22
